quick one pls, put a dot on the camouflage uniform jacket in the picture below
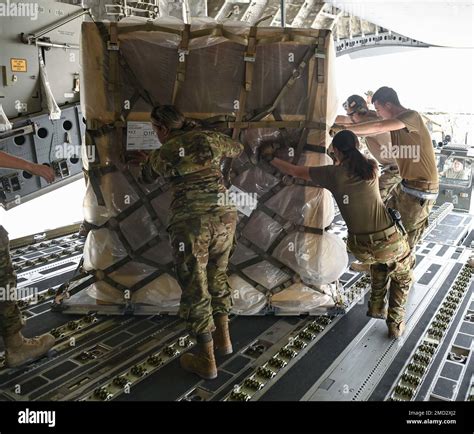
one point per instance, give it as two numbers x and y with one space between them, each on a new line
191 160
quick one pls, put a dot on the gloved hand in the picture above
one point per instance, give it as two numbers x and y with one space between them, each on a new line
335 129
265 152
146 175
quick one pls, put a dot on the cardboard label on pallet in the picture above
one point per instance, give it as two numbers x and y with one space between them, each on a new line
140 136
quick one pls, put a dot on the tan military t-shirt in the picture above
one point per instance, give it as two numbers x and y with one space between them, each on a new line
359 201
413 149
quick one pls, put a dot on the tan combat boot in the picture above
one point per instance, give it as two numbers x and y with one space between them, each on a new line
377 310
203 363
222 343
20 350
396 329
360 267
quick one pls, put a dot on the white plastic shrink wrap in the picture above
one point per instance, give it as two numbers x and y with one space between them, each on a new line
290 102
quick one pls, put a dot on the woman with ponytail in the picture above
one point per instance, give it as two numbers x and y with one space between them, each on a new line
373 236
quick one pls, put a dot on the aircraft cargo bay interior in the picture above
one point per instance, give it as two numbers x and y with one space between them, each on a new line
237 200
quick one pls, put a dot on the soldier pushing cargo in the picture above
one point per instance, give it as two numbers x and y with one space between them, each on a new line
201 227
373 236
18 349
412 148
357 112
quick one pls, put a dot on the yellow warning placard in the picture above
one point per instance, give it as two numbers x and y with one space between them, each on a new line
18 65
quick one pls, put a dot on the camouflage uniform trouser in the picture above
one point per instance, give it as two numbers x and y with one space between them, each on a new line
414 212
201 250
390 270
388 180
10 316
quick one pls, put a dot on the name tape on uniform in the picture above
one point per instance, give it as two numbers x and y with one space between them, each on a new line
140 136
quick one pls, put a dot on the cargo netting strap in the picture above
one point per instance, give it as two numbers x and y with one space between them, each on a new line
304 36
183 52
287 227
246 87
114 85
295 75
113 224
114 59
133 80
310 105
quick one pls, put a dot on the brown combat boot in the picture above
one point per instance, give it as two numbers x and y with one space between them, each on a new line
222 343
203 363
360 267
377 310
396 329
20 350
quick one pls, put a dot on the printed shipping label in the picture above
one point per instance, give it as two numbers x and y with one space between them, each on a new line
140 136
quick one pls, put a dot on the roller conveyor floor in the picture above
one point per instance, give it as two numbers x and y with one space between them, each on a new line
296 358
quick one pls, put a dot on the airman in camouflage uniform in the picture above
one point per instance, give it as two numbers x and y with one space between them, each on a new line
18 349
390 271
201 226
